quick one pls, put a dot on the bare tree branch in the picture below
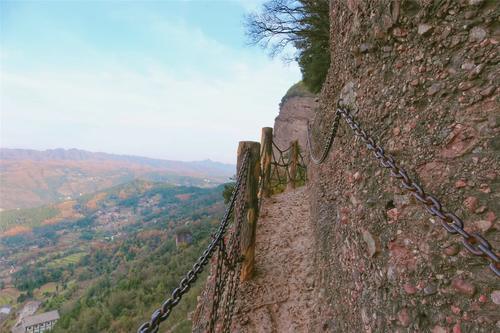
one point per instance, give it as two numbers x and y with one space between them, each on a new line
303 24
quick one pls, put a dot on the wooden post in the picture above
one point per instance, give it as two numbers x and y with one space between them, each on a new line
266 146
294 161
249 225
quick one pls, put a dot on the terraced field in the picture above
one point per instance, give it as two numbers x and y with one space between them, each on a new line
29 218
49 288
9 296
65 261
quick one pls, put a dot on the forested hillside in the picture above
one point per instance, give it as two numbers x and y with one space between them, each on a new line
110 258
32 178
130 290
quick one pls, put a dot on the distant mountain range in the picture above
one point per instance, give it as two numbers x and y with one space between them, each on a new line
30 178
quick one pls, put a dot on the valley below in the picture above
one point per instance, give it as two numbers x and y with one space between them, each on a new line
31 178
104 259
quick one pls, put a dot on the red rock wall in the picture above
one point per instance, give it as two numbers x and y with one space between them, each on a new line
422 77
291 123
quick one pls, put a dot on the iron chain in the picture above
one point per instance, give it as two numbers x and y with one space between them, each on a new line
162 313
327 144
475 243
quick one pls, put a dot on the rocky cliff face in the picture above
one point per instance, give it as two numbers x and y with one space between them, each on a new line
291 122
422 77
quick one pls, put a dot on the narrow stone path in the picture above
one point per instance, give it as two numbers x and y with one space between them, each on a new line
280 296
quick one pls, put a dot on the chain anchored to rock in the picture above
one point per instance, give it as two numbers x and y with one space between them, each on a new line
475 243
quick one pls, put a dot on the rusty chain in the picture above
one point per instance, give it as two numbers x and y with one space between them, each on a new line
217 243
327 144
215 310
227 278
474 242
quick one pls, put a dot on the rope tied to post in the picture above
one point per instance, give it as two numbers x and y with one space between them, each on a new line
288 165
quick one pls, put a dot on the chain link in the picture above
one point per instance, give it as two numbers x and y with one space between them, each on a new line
475 243
327 145
163 312
215 310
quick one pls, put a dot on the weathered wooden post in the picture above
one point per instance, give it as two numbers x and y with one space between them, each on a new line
266 146
249 225
294 161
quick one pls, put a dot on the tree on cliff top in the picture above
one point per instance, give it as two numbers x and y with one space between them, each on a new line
303 24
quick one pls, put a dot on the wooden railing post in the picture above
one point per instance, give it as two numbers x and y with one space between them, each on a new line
294 161
249 225
266 146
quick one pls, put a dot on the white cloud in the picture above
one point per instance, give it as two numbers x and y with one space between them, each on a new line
150 109
152 113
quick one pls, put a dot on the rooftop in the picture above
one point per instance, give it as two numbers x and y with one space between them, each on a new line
5 309
41 318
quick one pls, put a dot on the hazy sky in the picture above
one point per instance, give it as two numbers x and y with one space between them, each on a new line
165 79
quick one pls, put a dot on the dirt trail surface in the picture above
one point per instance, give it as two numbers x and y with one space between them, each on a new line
280 296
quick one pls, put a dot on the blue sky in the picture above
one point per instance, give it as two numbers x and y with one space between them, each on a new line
165 79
